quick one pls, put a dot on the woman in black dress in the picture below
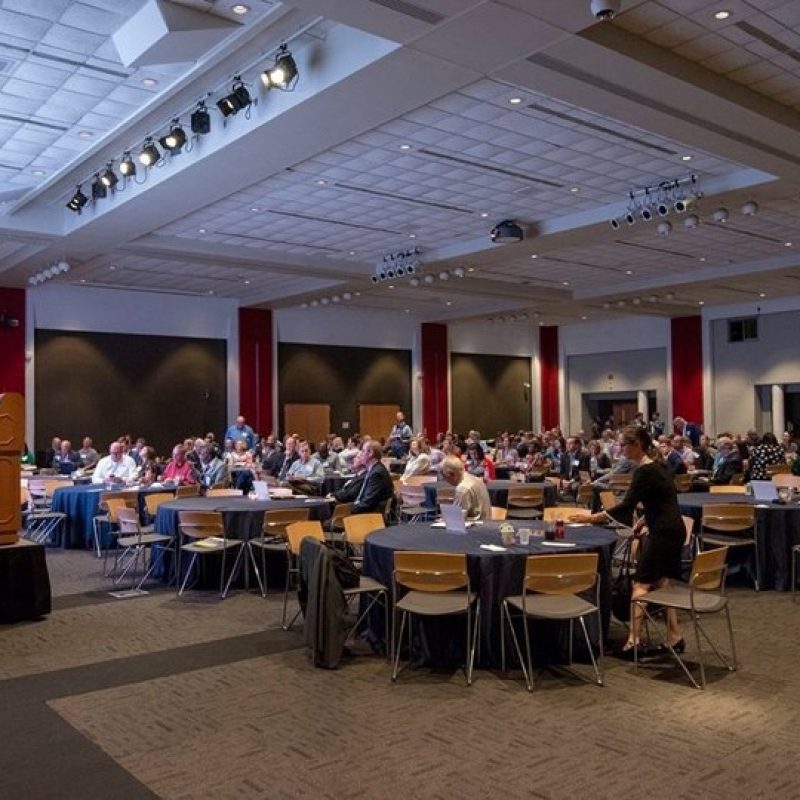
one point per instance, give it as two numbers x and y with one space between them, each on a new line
660 558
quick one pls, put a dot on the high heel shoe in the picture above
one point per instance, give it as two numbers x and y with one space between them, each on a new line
678 647
626 653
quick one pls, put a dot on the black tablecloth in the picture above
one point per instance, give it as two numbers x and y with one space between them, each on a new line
778 532
493 575
498 491
24 582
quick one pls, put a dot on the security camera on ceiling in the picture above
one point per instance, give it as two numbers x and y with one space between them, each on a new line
507 232
605 10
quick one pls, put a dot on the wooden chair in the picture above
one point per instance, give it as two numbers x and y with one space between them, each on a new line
273 539
778 469
224 493
730 525
193 490
438 585
411 507
420 480
551 590
153 501
499 514
336 522
295 533
702 596
525 501
206 532
731 489
683 483
788 481
135 541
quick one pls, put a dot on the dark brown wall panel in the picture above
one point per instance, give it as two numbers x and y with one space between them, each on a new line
103 385
343 377
489 393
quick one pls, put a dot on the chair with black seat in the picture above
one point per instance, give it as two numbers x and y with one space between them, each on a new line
295 533
206 533
135 541
730 525
551 591
438 585
525 501
272 539
702 596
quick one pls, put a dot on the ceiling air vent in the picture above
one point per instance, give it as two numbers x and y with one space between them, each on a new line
411 10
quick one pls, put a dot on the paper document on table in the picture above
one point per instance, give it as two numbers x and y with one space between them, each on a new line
495 548
443 524
210 542
557 544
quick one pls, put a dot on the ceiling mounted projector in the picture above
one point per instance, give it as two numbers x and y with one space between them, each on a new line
507 232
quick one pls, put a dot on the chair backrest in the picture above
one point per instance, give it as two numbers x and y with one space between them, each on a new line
728 517
445 494
737 479
738 489
683 482
275 522
561 574
224 493
688 524
201 524
420 480
525 496
499 514
554 513
297 531
412 495
24 497
116 504
790 481
153 501
621 480
585 495
430 572
708 569
188 491
357 526
341 510
778 469
608 500
128 520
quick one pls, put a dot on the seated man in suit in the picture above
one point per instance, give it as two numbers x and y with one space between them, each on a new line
471 493
672 458
213 470
370 493
729 463
66 460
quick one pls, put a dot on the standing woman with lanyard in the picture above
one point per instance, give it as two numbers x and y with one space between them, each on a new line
660 558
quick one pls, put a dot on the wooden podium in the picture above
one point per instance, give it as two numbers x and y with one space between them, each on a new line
12 434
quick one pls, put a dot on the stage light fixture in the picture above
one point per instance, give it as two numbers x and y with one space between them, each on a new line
614 223
429 279
459 272
414 282
750 208
282 73
98 188
109 178
78 200
127 166
630 218
175 139
664 228
201 119
234 102
663 209
721 215
646 214
150 154
691 222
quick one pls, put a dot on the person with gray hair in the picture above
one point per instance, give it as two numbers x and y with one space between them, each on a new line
471 493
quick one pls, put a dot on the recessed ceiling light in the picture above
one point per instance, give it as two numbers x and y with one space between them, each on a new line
149 82
787 244
721 14
405 146
762 294
211 291
565 283
39 173
247 283
408 311
575 189
352 252
702 258
201 230
584 317
83 280
484 214
391 286
448 303
629 272
240 9
85 134
701 302
255 209
534 255
321 182
470 269
111 267
515 101
686 158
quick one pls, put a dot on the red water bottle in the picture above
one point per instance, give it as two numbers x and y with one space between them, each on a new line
559 529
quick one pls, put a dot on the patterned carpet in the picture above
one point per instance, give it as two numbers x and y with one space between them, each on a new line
198 698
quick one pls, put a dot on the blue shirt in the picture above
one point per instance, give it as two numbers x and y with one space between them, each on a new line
245 433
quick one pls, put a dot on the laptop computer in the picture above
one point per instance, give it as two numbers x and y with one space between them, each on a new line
453 517
261 489
764 491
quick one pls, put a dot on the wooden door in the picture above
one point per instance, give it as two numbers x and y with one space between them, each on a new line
376 419
312 421
624 411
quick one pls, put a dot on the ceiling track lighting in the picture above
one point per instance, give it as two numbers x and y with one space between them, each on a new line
238 99
109 178
659 200
175 139
283 74
99 190
336 299
150 154
77 201
127 166
201 120
49 272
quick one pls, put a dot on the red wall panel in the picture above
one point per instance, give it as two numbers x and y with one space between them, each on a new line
255 369
435 397
687 368
548 360
12 341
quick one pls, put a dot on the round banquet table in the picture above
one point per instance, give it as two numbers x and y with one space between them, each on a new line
498 491
81 503
493 575
778 531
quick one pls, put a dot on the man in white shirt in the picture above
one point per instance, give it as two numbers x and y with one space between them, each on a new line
471 492
116 467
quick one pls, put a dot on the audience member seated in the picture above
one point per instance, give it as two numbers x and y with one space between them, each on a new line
400 436
241 431
290 455
505 455
305 473
193 455
147 461
212 442
88 455
66 461
471 493
729 463
51 454
213 470
328 458
599 462
27 458
240 457
765 454
116 467
478 464
271 457
373 489
672 459
150 474
419 460
179 471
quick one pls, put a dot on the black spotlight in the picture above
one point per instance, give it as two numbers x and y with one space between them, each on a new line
374 278
647 214
614 223
507 232
99 190
630 218
663 209
149 154
175 139
127 166
201 120
77 201
238 99
284 71
109 178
